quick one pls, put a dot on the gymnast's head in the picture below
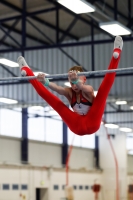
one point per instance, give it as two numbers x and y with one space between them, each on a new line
78 69
72 75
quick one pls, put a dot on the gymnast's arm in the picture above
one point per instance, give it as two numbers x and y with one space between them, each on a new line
87 90
53 86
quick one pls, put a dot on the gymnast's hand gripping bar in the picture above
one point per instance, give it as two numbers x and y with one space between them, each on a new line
60 76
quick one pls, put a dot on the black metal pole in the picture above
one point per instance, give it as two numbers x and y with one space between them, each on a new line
64 144
92 47
24 26
24 142
57 25
96 152
115 9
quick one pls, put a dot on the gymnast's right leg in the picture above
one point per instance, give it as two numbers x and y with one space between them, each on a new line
68 116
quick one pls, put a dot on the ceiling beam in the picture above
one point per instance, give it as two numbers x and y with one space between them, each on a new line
29 14
37 19
111 9
9 31
72 44
8 45
95 25
27 35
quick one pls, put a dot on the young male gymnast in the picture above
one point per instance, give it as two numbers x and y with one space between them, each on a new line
88 109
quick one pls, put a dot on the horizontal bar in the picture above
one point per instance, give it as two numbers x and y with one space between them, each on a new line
91 73
58 76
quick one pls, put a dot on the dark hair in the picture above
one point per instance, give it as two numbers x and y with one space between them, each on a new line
76 68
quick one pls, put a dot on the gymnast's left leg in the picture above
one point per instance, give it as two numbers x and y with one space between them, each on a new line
94 115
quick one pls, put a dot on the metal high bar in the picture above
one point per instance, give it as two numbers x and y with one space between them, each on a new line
58 76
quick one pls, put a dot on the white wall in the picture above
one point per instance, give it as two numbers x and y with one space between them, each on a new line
10 150
48 154
44 154
34 176
130 164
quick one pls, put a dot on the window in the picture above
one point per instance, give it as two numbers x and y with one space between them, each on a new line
129 144
5 186
36 123
73 139
86 187
53 126
81 187
56 187
75 187
63 187
36 128
86 141
15 187
24 187
44 125
11 122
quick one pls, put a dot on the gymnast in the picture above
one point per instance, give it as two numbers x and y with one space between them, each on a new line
87 109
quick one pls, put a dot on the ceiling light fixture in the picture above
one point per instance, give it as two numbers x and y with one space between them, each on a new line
131 107
121 102
37 107
115 28
124 129
77 6
8 62
111 126
36 73
7 101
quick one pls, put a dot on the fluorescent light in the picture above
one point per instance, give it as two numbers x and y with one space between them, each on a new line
52 112
8 101
111 126
121 102
124 129
77 6
8 62
115 28
36 73
131 107
67 84
37 107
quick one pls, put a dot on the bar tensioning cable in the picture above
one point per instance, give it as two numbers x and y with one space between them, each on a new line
58 76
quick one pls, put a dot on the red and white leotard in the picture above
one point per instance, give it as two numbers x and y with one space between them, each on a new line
80 124
81 108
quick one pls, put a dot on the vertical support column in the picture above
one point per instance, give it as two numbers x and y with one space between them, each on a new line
129 10
92 47
96 152
23 26
115 9
57 25
64 144
24 142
